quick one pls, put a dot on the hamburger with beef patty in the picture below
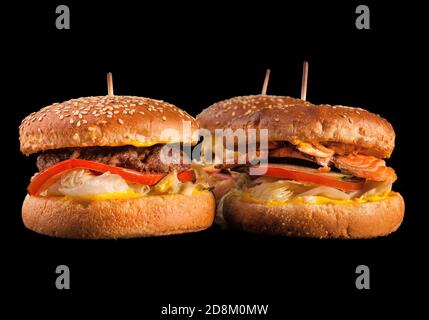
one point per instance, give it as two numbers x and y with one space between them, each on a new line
102 174
325 177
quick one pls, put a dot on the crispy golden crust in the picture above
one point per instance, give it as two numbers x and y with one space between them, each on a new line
105 121
367 220
142 217
290 119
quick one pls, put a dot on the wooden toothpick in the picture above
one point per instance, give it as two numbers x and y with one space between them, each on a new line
304 81
109 84
265 86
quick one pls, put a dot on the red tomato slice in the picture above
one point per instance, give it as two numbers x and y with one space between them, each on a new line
48 176
186 176
302 174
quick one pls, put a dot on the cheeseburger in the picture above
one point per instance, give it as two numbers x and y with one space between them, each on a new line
325 177
113 167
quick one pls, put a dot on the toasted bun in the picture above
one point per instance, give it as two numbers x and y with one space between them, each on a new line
366 220
105 121
142 217
290 119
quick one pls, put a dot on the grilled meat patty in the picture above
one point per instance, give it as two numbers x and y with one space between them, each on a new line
146 159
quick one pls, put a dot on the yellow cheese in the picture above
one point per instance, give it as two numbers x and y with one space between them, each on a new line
149 142
130 194
300 143
317 200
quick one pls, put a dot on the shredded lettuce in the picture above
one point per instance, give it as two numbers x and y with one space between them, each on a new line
83 183
266 189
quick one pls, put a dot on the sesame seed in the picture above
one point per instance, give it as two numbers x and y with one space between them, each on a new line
80 116
40 118
78 124
233 114
141 112
277 119
71 120
61 117
164 118
120 121
109 116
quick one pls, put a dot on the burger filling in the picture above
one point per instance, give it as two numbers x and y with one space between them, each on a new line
316 173
100 173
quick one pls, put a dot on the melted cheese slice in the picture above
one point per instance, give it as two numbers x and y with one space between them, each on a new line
130 194
317 200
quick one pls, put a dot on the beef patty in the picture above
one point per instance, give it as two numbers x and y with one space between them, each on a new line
139 159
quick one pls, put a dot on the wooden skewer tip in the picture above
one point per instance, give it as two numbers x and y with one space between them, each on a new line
110 84
265 86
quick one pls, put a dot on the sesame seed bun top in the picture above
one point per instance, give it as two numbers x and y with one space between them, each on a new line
289 119
106 121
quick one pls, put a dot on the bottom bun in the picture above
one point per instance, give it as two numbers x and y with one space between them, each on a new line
345 221
141 217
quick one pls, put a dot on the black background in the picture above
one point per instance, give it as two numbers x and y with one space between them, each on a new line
193 55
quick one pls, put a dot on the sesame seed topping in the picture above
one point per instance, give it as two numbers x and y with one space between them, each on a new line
61 117
164 118
71 120
120 121
78 124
